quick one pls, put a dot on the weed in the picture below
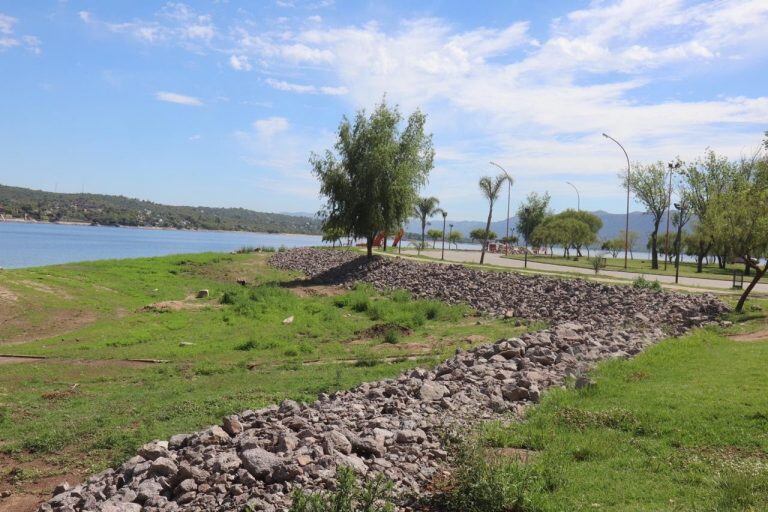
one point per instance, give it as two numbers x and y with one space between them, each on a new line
374 495
248 345
645 284
392 336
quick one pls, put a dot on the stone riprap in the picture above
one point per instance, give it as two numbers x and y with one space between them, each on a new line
395 426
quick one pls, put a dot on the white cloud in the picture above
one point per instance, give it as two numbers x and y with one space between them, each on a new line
306 89
180 99
239 63
9 39
195 137
269 127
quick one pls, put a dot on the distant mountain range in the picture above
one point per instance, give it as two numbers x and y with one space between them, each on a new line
101 209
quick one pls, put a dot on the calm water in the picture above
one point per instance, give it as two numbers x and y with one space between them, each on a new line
31 245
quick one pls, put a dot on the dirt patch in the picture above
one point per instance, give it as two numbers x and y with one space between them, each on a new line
31 481
7 295
19 359
759 335
190 303
129 363
378 330
315 290
56 322
40 287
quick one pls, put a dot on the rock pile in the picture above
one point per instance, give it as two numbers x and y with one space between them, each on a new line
394 426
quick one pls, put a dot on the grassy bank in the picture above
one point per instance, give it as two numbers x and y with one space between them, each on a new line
680 427
91 403
687 269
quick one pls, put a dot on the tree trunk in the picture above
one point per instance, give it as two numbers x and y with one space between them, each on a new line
699 263
758 275
384 244
369 245
423 228
487 228
746 268
654 250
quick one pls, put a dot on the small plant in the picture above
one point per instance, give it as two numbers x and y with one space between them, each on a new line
597 263
229 298
374 495
392 336
645 284
248 345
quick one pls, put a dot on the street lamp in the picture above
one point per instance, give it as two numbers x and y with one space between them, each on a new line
450 234
578 197
442 254
509 195
527 211
680 207
626 224
672 167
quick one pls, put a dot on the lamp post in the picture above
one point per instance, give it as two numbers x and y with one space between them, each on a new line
450 233
626 223
509 195
525 249
578 196
680 207
672 167
442 254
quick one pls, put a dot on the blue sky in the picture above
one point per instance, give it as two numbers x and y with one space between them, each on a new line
219 103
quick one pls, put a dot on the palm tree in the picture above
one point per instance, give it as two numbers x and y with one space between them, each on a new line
424 208
490 188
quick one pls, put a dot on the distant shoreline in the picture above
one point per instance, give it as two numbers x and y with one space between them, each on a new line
16 220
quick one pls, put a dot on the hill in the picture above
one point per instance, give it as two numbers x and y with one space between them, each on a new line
110 210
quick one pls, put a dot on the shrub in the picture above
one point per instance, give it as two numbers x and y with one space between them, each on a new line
229 298
644 284
392 336
597 263
373 496
248 345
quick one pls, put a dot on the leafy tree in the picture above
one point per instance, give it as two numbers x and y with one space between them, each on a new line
742 213
490 187
454 237
614 246
481 235
435 235
547 233
424 208
531 213
631 240
648 182
333 235
593 222
371 182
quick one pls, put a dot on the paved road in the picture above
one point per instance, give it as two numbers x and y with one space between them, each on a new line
498 260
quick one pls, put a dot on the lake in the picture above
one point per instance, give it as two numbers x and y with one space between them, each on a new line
34 244
30 244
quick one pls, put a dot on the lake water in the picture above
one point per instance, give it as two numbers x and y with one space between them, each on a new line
25 244
35 244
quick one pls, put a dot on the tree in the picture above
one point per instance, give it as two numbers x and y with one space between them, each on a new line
490 187
547 234
592 221
481 235
614 246
631 239
704 179
332 235
531 213
454 237
648 182
424 208
742 211
371 182
434 235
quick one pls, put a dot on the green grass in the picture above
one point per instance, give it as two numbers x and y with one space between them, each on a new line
226 353
687 269
680 427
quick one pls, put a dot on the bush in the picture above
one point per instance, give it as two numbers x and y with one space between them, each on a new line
248 345
392 336
597 263
644 284
373 496
484 483
229 298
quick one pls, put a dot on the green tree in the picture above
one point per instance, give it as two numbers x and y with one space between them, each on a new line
631 240
425 208
592 221
531 213
371 182
481 235
490 187
454 237
614 246
435 235
648 182
742 213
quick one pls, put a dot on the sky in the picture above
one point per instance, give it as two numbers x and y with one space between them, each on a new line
220 103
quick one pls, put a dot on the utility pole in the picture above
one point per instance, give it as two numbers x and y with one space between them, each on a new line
442 254
626 223
672 167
